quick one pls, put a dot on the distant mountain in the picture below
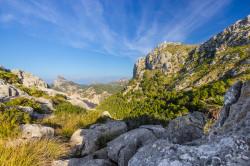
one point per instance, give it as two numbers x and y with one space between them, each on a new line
93 93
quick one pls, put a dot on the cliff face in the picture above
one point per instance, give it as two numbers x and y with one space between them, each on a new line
167 57
223 55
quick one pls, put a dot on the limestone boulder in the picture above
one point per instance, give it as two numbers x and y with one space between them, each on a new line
82 162
30 131
87 141
186 128
223 151
7 91
121 149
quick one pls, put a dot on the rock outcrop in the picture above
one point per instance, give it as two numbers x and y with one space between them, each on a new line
36 131
8 91
235 35
83 162
87 141
30 80
167 57
121 149
186 128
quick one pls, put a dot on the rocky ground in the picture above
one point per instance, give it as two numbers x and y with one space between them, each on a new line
181 143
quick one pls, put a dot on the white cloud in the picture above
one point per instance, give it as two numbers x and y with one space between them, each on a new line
87 26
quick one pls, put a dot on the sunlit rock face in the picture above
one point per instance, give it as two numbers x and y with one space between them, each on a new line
167 57
235 35
29 80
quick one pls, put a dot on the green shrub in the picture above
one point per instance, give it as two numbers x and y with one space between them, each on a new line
58 99
69 108
9 77
66 123
157 103
22 101
33 91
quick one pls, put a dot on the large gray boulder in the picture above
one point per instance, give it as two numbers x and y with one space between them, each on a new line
186 128
87 141
30 131
121 149
46 104
236 120
231 96
7 91
82 162
225 151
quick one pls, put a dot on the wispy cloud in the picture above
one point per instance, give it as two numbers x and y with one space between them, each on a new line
112 28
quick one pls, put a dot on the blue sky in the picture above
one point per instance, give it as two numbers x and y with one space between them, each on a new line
99 40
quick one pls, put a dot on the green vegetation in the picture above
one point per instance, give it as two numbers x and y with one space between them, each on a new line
201 84
57 99
10 119
153 102
22 101
35 153
9 77
33 91
68 118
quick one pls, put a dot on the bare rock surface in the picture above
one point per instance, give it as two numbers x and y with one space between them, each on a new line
121 149
8 91
30 80
186 128
82 162
86 141
36 131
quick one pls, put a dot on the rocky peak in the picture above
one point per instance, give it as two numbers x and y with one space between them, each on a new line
167 57
235 35
30 80
65 85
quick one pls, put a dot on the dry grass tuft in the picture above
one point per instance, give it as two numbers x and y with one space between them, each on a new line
32 153
66 123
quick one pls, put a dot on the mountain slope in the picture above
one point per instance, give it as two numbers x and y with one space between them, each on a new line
175 78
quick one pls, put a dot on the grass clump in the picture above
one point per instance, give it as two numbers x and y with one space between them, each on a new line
35 153
68 118
33 91
10 119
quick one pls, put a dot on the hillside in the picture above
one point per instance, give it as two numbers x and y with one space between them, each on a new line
176 78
